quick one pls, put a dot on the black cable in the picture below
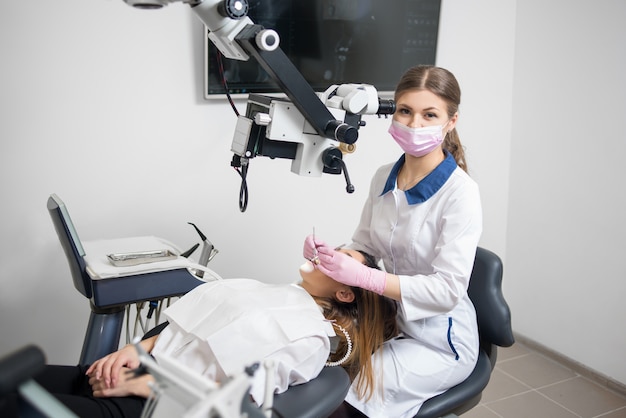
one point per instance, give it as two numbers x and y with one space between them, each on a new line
243 189
151 308
220 64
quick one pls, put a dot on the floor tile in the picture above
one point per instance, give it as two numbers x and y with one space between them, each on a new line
480 411
584 397
620 413
529 405
502 385
525 383
535 370
516 350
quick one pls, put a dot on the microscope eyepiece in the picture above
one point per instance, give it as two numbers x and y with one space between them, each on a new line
386 107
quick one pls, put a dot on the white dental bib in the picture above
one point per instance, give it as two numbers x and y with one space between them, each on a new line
221 327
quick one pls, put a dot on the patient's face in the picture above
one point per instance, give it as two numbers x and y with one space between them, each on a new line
318 284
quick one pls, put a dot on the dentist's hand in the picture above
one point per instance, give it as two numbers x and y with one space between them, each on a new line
345 269
310 244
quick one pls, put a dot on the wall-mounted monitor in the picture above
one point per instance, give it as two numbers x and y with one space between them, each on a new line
334 42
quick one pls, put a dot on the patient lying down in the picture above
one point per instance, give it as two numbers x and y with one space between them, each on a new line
221 327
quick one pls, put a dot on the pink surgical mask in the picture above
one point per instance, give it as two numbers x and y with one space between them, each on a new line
417 141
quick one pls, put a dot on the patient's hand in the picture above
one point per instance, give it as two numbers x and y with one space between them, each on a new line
106 370
125 385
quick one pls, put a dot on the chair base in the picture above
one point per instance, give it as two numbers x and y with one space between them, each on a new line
103 334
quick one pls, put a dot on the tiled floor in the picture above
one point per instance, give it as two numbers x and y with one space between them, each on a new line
526 384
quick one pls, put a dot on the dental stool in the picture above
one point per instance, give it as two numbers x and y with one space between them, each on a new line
494 328
108 297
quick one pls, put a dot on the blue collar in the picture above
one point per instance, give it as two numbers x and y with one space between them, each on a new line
423 190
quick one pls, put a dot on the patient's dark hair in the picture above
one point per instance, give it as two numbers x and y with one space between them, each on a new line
370 320
370 261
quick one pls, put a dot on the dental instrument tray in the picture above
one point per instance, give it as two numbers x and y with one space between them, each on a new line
140 257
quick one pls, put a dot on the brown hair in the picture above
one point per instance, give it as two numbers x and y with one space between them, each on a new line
370 320
442 83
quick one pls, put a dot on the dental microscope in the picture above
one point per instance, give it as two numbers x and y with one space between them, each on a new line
314 130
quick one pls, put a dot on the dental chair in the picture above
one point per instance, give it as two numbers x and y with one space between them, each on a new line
109 297
315 399
310 400
494 328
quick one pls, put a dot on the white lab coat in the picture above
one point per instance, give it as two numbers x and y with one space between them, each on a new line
428 237
221 327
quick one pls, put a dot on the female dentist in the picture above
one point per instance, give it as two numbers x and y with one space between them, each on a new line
423 219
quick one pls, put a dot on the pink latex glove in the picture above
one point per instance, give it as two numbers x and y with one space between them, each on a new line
310 245
345 269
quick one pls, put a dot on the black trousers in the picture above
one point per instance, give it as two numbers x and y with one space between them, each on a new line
70 386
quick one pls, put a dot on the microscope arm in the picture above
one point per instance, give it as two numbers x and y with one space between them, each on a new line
237 37
294 85
277 128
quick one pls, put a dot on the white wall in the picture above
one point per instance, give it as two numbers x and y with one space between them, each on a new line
565 249
102 105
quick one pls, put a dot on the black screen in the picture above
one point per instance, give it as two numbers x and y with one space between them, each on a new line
335 42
